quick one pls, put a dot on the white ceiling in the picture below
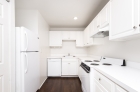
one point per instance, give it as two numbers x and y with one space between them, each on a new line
60 13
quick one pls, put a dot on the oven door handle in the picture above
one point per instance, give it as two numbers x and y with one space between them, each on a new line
84 69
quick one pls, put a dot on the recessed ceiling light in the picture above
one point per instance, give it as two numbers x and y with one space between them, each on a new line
75 18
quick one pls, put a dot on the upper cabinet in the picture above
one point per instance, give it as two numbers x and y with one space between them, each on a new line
124 19
68 35
79 39
104 16
55 38
96 25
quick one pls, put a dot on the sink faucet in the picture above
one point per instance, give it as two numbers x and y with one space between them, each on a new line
68 54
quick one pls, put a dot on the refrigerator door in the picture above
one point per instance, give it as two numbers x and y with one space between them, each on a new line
29 40
30 71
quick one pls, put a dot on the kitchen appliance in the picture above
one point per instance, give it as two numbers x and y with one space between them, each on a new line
85 67
87 71
102 32
54 66
96 60
106 64
27 60
88 61
120 62
94 64
84 77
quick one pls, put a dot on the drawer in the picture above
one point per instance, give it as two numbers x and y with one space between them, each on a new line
105 82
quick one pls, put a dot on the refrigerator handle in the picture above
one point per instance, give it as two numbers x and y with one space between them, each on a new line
26 41
27 62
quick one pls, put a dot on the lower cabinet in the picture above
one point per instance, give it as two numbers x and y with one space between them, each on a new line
69 67
103 84
119 89
98 87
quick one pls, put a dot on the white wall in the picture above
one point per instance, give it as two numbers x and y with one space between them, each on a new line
27 18
129 50
68 47
43 29
34 21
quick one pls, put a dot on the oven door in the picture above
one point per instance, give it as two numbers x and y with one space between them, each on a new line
85 80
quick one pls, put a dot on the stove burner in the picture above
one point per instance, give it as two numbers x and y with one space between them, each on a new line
94 64
96 61
88 61
106 64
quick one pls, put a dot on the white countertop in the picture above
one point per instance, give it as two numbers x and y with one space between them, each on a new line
127 77
77 57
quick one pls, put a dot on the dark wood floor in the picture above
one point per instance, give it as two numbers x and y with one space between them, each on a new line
61 84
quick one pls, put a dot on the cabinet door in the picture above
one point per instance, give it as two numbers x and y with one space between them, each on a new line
65 35
104 16
73 68
55 38
104 81
79 39
72 35
96 23
65 68
124 18
119 89
88 34
98 87
91 28
85 37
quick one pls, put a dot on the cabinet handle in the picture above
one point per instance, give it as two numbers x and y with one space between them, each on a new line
134 27
99 79
139 25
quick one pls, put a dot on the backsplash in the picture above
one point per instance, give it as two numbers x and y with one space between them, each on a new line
129 50
68 47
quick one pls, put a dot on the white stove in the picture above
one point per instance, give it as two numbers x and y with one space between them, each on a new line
87 70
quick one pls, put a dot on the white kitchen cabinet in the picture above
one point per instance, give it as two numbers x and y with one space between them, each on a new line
96 25
85 36
104 16
98 87
55 38
119 89
123 19
91 28
65 35
69 67
73 68
68 35
72 35
79 39
65 68
105 82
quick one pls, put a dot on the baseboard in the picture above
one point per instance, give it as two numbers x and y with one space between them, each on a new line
70 76
37 90
43 83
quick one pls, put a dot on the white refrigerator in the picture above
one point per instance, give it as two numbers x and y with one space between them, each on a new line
27 60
